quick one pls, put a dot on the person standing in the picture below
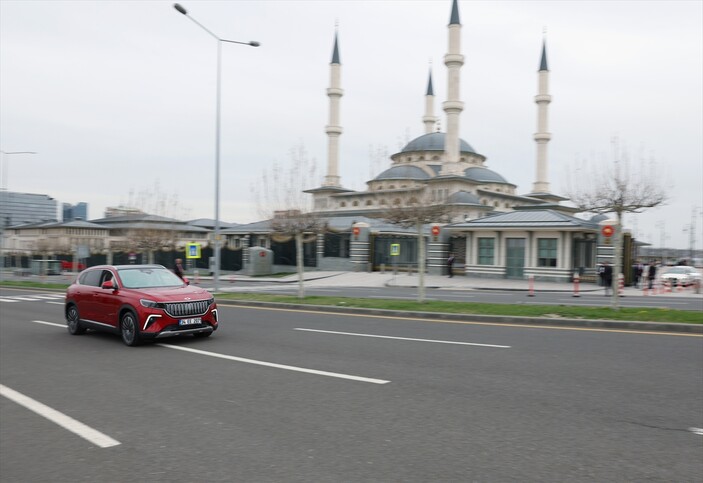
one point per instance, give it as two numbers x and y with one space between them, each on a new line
607 277
652 274
450 265
178 268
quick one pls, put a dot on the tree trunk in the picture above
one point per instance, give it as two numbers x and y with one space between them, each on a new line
617 263
420 264
300 265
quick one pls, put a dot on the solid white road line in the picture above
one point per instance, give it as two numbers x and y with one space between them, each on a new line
63 326
66 422
26 299
55 303
406 338
277 366
8 300
49 296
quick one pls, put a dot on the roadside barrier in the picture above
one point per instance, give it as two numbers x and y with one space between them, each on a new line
577 279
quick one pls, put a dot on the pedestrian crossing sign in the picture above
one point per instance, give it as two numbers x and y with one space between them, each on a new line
193 250
395 249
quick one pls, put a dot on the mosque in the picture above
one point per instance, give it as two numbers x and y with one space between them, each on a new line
491 229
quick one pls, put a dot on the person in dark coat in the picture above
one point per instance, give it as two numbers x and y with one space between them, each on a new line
450 264
607 277
652 274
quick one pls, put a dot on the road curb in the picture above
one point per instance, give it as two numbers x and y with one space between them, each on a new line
493 319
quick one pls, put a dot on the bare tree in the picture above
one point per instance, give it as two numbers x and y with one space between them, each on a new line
280 195
415 209
617 187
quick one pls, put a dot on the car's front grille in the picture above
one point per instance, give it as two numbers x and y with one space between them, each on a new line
187 309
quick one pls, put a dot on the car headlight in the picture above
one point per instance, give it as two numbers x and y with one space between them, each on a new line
151 304
211 301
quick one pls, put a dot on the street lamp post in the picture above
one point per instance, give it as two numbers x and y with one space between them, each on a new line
217 136
5 221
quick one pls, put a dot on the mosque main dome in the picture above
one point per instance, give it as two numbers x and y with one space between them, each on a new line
434 142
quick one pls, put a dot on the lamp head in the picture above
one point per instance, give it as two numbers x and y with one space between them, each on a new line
180 8
254 43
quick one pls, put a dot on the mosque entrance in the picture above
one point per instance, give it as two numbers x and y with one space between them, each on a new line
515 258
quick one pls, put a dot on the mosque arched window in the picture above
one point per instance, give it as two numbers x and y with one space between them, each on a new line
435 158
496 204
343 204
396 201
391 187
382 202
355 203
369 203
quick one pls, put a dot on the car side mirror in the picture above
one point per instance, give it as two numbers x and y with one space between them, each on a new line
108 285
186 281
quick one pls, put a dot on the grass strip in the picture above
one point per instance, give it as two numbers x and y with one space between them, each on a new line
27 284
634 314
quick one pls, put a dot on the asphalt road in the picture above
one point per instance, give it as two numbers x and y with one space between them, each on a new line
349 398
586 299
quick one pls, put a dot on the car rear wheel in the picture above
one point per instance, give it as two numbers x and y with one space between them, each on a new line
73 321
129 329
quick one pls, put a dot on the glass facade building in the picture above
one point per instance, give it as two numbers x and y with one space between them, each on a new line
79 211
20 208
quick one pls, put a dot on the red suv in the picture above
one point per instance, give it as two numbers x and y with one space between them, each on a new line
138 302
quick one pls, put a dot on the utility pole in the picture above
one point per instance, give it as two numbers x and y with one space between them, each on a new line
692 234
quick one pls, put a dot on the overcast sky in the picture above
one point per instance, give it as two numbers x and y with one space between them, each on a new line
119 96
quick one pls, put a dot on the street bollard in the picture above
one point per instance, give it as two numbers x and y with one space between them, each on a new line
621 285
577 279
531 286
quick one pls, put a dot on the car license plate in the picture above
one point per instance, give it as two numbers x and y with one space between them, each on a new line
194 321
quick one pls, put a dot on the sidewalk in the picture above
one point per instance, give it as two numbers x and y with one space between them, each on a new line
378 279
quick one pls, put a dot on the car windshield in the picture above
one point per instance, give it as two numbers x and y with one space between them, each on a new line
148 277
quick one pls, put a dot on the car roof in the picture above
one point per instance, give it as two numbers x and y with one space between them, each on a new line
124 267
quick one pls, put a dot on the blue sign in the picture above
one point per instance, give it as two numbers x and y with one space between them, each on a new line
193 250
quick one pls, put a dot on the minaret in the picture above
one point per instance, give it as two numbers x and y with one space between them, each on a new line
542 136
333 129
453 106
429 118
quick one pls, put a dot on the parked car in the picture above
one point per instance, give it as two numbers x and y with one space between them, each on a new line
66 265
138 302
681 275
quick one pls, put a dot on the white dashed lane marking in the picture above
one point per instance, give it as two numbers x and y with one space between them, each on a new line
66 422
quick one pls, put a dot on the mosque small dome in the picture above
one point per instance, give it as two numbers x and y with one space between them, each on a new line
403 172
464 198
599 218
483 175
434 142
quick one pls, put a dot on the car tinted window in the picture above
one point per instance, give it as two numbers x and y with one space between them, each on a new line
148 277
91 277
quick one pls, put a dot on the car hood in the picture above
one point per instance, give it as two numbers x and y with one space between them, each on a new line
173 294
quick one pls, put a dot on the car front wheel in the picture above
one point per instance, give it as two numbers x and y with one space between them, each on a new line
73 321
129 329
